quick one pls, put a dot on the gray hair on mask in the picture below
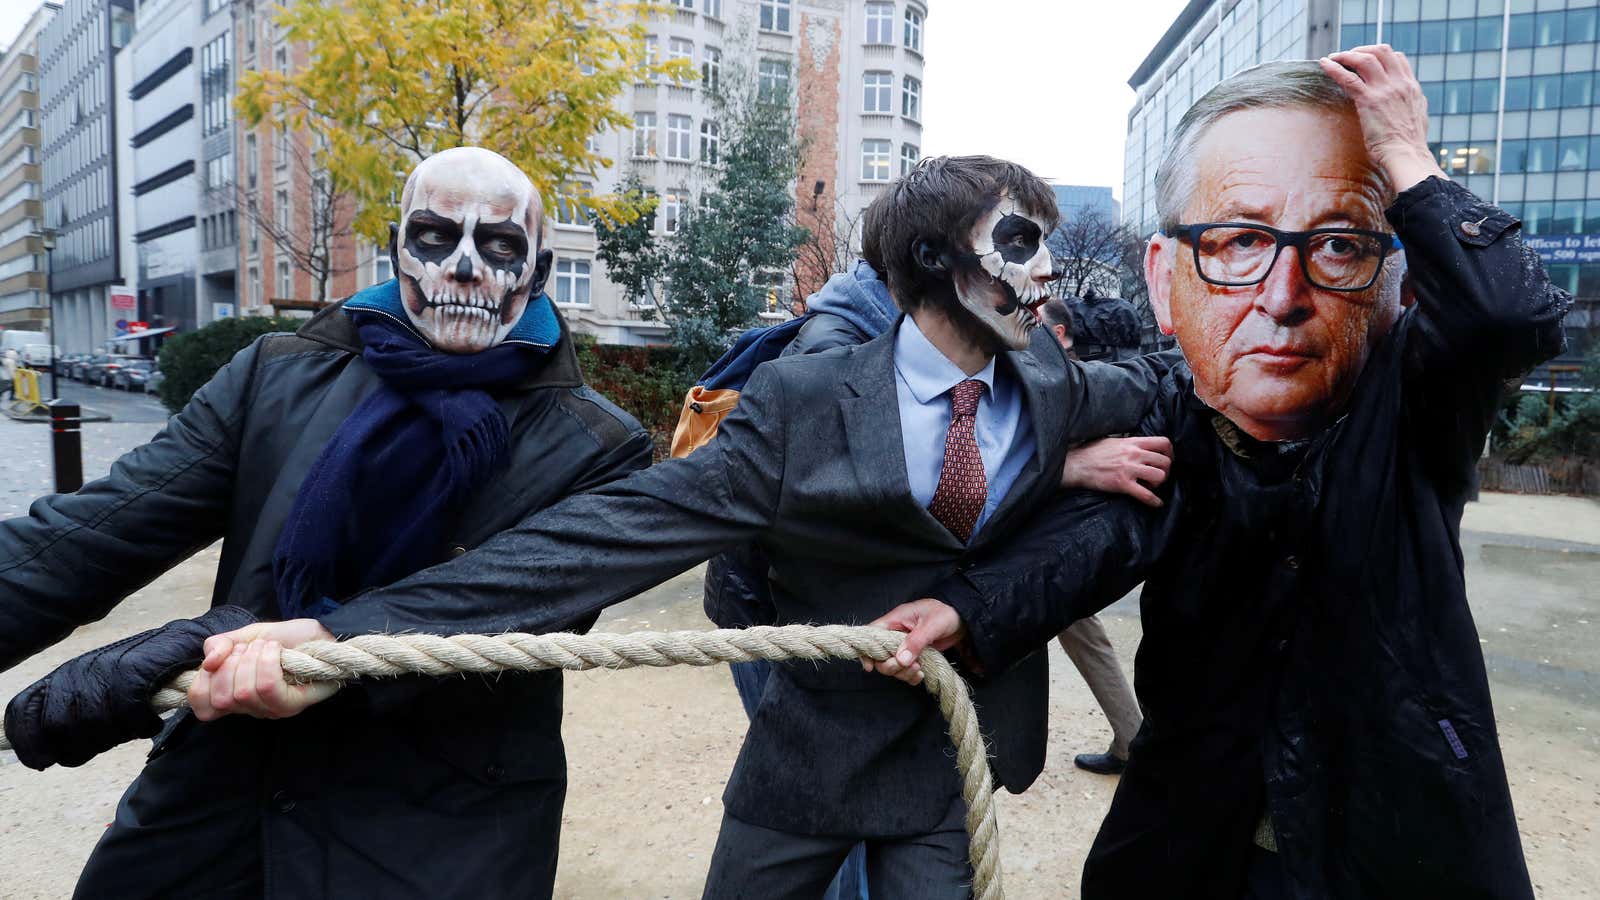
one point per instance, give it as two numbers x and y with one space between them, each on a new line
1292 84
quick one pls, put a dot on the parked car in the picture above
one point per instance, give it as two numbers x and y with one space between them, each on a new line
133 375
152 384
79 370
101 373
38 356
65 363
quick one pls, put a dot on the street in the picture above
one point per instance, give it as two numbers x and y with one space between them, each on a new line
650 751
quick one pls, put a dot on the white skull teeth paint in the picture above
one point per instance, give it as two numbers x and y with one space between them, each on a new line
468 248
1007 278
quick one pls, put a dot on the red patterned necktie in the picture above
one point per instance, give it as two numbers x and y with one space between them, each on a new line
963 488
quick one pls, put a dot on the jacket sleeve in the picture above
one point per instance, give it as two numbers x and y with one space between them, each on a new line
1114 398
1485 311
75 556
565 563
1484 302
1077 556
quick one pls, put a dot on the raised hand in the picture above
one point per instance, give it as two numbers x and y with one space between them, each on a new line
1392 110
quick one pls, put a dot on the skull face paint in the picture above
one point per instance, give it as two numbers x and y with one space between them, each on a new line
1003 281
468 248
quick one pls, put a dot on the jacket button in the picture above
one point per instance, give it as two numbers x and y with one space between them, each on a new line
495 773
1471 229
458 550
1292 561
283 801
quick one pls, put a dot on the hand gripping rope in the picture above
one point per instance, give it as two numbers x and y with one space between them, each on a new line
387 655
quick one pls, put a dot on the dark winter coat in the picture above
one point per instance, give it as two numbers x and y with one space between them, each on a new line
406 788
1308 651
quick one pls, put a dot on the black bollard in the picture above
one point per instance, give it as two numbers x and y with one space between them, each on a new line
66 445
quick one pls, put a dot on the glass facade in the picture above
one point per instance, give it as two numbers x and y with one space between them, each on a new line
1515 113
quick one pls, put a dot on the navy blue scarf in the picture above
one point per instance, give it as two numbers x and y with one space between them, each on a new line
375 504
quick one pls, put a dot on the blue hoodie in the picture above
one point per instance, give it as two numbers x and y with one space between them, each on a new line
860 298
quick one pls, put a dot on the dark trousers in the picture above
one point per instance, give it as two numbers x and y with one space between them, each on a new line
750 680
753 862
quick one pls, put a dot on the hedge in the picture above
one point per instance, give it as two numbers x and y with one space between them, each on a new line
190 360
648 382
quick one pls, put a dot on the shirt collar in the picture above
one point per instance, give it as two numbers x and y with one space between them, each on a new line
926 370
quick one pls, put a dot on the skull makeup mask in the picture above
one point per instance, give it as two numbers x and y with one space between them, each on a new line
1001 281
468 248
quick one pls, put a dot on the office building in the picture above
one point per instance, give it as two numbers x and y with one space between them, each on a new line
164 138
854 67
1074 199
1513 95
23 304
78 140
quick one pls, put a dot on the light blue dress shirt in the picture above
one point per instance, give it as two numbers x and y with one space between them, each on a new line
923 379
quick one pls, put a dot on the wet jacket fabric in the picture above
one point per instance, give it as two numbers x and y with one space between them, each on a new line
851 308
1308 651
392 788
811 467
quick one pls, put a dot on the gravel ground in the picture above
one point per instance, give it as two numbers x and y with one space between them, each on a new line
651 750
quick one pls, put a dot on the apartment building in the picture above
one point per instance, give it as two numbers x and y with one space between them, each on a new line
23 304
77 143
854 67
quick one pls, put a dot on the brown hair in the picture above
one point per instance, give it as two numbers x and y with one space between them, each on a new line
1055 313
939 201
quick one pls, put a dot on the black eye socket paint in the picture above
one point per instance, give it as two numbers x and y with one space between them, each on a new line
494 238
424 221
1016 238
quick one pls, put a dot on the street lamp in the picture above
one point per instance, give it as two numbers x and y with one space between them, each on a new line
47 240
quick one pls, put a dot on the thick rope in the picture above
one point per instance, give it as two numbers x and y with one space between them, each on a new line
387 655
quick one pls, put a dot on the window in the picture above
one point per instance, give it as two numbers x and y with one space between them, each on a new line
280 59
219 171
255 242
681 48
710 141
773 80
255 286
285 281
216 84
684 4
911 98
570 210
671 211
775 15
215 6
913 30
251 159
909 154
280 148
572 281
875 160
876 95
712 8
644 134
880 23
652 51
710 67
280 211
678 137
382 264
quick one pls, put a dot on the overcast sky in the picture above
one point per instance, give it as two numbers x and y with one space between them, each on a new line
1041 82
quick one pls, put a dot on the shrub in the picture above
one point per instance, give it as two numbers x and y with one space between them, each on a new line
190 360
648 382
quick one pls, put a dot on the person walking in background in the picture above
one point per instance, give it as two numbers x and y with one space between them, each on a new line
1086 642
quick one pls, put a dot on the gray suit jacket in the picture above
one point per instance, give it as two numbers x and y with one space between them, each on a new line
811 466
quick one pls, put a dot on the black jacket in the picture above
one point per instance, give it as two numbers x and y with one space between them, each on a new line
736 594
1308 650
811 466
392 788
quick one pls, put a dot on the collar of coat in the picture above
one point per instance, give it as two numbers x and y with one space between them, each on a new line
331 327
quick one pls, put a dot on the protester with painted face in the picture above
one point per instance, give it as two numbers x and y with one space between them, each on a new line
1317 715
393 431
865 474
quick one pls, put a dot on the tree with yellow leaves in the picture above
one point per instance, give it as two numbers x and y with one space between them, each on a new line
388 83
